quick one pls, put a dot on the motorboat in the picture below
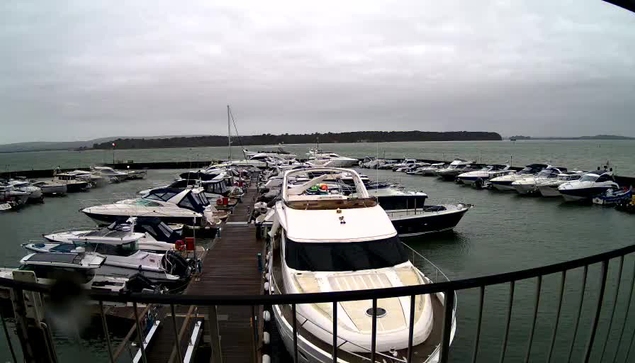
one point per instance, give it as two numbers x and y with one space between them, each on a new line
549 187
393 198
150 233
50 188
414 170
34 193
529 185
404 163
12 197
124 258
73 183
331 160
430 170
189 207
263 154
115 176
427 218
504 183
588 186
329 242
456 167
614 197
479 178
94 179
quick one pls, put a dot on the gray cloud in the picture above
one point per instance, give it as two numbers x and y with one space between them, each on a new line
87 69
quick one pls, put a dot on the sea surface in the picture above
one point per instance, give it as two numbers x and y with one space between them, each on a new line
503 232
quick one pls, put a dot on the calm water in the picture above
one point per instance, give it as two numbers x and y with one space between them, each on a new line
503 232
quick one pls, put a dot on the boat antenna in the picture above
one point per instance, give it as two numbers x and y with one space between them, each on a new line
229 134
231 114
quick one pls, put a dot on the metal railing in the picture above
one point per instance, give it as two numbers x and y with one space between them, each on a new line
447 288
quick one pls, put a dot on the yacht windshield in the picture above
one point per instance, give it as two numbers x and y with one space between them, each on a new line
547 173
344 256
589 178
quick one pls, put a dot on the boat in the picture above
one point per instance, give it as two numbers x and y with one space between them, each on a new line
549 187
331 242
456 167
504 182
404 163
529 185
124 258
427 219
189 207
613 197
115 176
331 160
79 266
10 198
430 170
479 178
73 182
50 188
34 194
588 186
150 233
95 180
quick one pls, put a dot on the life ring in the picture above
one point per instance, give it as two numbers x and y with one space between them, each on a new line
179 245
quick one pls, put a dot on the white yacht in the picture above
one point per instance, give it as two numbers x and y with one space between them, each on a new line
34 193
331 160
504 183
480 177
10 198
115 176
325 242
549 187
50 188
529 185
94 179
188 206
73 182
588 186
430 170
455 168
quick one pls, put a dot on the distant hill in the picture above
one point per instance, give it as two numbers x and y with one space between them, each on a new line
596 137
269 139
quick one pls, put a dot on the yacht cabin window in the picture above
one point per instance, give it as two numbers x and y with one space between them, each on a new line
344 256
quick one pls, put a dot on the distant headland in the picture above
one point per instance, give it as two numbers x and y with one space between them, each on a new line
596 137
324 138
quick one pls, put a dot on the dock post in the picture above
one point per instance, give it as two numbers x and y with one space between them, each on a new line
217 356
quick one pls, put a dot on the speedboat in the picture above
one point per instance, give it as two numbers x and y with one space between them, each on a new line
504 183
331 160
325 242
151 234
404 163
613 197
478 178
50 188
549 187
10 198
588 186
189 207
455 168
430 170
124 259
115 176
94 179
34 193
80 266
529 185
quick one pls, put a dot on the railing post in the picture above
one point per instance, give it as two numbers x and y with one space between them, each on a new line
510 304
295 332
615 296
373 336
106 333
413 301
334 354
596 318
217 356
254 335
577 319
478 323
22 324
447 325
177 341
139 333
535 317
628 309
558 310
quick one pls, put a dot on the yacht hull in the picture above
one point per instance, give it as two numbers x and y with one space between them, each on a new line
409 224
578 195
54 189
105 219
525 189
503 186
549 191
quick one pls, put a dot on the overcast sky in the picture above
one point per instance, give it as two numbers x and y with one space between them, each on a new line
89 69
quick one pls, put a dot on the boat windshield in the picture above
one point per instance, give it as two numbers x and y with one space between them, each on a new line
589 178
125 249
344 256
547 173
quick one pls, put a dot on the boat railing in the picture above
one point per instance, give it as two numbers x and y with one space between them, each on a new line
593 322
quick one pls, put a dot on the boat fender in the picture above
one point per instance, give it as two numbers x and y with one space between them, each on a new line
266 358
266 315
266 287
266 277
266 338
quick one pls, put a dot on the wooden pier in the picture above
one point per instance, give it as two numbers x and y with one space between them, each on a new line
230 267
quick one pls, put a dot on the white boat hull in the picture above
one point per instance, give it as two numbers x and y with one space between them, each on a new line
549 191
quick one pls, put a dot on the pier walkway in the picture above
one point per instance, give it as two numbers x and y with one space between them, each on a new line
229 267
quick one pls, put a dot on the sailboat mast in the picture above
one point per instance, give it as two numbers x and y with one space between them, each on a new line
229 134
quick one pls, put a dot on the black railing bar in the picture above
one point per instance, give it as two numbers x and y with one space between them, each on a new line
8 336
328 297
411 327
373 332
177 341
534 318
448 319
254 333
335 347
579 314
628 308
628 351
295 332
510 305
144 359
106 333
615 296
598 310
563 279
479 320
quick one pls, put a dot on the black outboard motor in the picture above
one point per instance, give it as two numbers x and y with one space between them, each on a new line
175 264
